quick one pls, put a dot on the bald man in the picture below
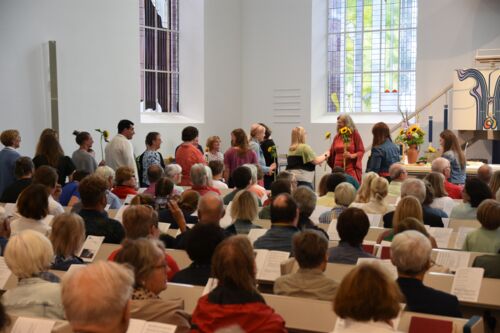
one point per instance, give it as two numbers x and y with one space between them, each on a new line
484 173
210 211
96 297
284 219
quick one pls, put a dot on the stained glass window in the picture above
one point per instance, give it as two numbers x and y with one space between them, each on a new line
372 47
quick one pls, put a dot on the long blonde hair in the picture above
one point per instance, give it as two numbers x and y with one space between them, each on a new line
298 137
379 188
408 206
364 191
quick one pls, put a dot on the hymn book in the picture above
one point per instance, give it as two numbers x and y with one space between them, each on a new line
269 264
467 283
142 326
91 247
453 259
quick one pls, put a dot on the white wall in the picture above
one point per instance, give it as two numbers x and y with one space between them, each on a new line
247 49
98 67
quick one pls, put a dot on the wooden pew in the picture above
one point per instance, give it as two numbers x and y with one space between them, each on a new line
302 314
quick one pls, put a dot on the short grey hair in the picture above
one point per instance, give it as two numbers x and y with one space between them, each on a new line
199 174
28 253
96 293
415 187
305 199
253 170
172 170
345 193
439 164
411 252
396 170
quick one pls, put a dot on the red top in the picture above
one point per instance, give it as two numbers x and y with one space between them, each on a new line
454 191
202 190
187 155
122 191
172 265
233 159
354 166
250 317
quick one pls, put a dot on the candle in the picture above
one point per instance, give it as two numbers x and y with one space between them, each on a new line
430 129
445 120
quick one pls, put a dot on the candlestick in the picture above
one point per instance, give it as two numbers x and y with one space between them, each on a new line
430 129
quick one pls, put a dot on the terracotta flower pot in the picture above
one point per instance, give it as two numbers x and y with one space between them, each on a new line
412 154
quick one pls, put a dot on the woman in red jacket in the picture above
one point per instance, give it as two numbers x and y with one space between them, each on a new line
235 301
355 150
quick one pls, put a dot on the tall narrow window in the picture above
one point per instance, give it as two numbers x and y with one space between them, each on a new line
159 38
372 47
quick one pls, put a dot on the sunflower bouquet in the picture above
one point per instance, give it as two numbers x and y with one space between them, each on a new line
345 133
414 135
104 137
273 151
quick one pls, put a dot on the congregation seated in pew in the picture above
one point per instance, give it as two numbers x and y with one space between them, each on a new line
378 192
96 297
125 182
411 254
306 203
147 258
244 210
201 242
235 300
487 237
310 250
38 293
97 222
474 192
23 170
141 221
367 300
67 237
32 211
332 180
47 176
345 193
416 188
352 227
277 187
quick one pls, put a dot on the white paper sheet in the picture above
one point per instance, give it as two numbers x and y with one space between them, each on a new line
142 189
91 247
446 221
107 207
453 259
461 235
254 234
333 235
10 209
188 226
119 213
317 212
374 219
226 221
269 264
163 227
142 326
386 265
33 325
128 198
5 273
211 285
442 236
467 283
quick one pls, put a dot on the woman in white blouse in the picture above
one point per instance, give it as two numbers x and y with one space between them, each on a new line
32 211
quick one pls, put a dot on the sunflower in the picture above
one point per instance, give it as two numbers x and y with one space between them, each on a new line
345 130
328 135
413 129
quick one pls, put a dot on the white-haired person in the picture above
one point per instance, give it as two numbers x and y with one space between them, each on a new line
108 175
200 179
443 166
416 187
398 174
254 187
96 298
345 193
379 188
411 254
67 237
29 255
174 173
147 258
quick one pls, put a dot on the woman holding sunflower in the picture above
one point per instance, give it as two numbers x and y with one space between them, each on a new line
384 152
301 159
347 148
